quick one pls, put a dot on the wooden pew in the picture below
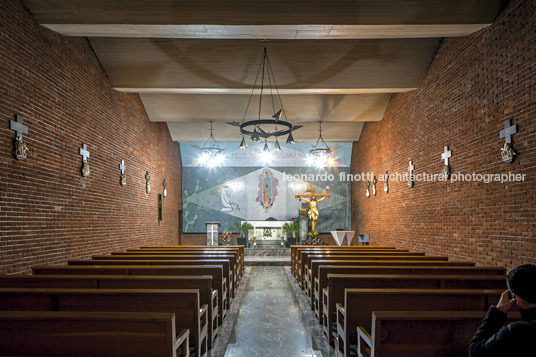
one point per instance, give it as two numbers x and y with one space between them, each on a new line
403 256
230 258
421 333
359 304
233 258
203 283
219 283
421 261
239 253
82 333
224 263
235 261
183 303
368 256
295 249
234 252
302 258
303 254
321 282
337 283
237 248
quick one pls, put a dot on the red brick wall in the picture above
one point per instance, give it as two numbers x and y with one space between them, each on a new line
48 212
473 85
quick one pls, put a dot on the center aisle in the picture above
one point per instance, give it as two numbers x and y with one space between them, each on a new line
270 322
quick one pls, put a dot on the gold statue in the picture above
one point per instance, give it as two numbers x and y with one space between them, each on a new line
313 210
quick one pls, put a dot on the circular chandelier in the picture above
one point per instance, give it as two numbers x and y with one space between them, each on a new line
259 128
320 155
211 153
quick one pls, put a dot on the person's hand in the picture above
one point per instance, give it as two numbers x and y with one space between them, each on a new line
506 303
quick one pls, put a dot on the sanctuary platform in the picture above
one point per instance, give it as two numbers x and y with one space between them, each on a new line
267 256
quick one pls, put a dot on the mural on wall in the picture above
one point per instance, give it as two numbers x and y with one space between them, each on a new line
245 188
267 189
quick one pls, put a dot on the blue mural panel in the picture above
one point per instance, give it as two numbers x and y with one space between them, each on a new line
246 188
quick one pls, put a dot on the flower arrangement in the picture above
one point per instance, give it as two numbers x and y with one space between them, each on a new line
226 237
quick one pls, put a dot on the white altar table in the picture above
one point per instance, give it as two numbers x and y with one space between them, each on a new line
343 237
267 232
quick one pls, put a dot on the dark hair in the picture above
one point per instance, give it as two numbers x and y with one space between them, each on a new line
522 282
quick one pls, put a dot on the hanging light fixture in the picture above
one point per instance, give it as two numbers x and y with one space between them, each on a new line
211 153
266 128
320 155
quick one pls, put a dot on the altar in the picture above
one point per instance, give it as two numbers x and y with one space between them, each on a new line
267 233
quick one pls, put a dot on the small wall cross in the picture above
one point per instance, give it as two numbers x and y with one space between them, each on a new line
122 167
84 152
446 155
18 126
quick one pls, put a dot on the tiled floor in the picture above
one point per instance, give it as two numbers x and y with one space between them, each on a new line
270 322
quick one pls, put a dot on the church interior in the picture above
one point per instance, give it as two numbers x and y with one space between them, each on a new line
269 178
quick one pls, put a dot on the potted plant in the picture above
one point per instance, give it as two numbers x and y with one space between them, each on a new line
291 230
243 230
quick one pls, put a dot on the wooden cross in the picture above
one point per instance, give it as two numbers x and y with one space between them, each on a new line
122 167
446 155
312 190
18 127
508 131
84 153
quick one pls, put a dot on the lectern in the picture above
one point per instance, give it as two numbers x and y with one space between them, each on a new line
213 232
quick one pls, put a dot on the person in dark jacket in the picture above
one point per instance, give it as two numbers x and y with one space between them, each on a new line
518 338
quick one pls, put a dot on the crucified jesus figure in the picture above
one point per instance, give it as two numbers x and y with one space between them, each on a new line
313 205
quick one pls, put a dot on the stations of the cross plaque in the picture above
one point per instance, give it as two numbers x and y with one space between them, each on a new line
507 151
445 156
85 155
20 129
123 168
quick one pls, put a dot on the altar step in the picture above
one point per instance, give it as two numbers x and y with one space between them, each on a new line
267 260
267 252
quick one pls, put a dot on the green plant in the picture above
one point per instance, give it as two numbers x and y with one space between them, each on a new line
291 229
243 228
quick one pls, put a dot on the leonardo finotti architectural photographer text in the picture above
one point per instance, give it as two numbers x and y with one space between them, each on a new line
405 176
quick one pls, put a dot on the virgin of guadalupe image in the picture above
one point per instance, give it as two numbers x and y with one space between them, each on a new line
267 190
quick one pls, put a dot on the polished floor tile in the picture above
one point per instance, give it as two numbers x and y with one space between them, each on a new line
270 322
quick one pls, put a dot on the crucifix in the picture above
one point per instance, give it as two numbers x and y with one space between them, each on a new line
411 167
20 129
122 167
445 156
85 156
313 209
507 152
147 183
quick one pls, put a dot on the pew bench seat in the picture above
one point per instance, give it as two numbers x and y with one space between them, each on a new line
82 333
420 333
184 303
